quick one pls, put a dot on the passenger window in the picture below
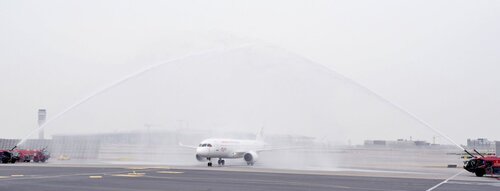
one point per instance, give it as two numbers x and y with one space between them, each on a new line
209 145
204 145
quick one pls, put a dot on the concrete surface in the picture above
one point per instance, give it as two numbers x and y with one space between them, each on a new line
48 177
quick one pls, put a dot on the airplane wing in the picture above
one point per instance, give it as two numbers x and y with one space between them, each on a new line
239 154
277 148
187 146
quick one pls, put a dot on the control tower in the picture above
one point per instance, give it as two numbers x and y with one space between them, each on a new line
42 114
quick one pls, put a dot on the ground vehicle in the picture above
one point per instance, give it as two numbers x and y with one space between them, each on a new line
24 155
482 165
40 155
8 156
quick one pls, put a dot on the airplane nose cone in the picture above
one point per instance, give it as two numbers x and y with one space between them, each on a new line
201 151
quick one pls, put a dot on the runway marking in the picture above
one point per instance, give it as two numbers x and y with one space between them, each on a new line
445 181
4 176
162 168
129 175
17 175
169 172
136 168
95 177
59 176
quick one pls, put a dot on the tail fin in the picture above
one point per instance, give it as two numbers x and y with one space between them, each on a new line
260 135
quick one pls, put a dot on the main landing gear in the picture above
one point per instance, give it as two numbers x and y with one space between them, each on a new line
220 162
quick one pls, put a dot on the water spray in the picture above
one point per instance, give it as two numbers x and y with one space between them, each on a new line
123 80
380 97
149 68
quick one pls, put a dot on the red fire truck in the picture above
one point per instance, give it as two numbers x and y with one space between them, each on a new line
26 155
482 165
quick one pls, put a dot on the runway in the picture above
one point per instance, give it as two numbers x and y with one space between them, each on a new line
27 177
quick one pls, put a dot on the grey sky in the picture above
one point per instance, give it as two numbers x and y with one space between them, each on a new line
438 59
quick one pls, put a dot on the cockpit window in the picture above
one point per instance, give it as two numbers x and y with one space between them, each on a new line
205 145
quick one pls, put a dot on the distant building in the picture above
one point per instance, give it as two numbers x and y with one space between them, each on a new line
135 145
375 143
422 143
497 148
479 143
398 143
483 145
7 144
76 147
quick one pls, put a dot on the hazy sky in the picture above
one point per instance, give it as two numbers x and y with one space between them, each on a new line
438 59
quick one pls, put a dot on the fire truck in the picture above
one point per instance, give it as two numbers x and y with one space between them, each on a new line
482 165
24 155
41 155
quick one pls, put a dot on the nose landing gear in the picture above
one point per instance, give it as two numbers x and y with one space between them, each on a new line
209 162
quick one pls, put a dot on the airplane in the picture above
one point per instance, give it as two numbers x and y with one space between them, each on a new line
222 149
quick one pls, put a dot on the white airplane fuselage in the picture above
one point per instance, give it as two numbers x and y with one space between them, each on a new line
228 148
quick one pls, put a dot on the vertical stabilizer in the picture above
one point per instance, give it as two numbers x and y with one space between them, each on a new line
260 135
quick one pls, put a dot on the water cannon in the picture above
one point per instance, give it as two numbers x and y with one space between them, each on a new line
13 148
478 153
465 150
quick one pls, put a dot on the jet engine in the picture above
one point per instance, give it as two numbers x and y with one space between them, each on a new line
201 159
250 157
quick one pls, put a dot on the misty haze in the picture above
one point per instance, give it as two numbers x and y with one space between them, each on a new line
380 90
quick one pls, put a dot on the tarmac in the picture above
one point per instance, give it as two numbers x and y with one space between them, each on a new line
49 177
